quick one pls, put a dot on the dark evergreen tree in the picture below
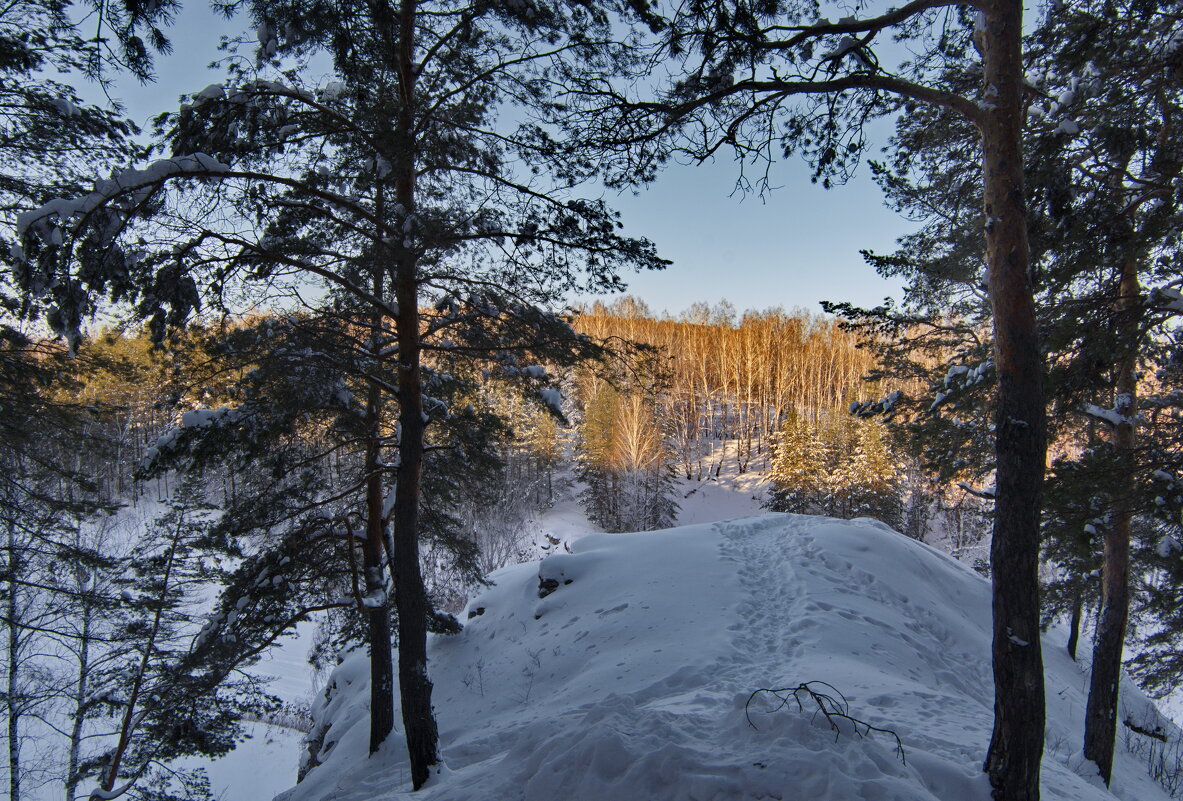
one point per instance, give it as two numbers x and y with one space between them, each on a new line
770 78
1101 154
168 695
1103 217
395 187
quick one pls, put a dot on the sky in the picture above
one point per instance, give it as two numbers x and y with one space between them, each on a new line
793 248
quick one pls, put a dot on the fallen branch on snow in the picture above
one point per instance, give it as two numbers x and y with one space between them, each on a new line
834 710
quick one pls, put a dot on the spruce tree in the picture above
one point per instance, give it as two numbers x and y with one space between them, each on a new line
797 470
876 479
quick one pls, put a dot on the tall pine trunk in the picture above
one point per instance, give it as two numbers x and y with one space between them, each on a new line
410 595
1016 746
1100 723
373 549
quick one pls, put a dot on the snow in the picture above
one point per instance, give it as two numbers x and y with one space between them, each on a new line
375 599
332 90
1170 298
632 681
845 45
44 220
1110 416
258 769
215 91
552 398
66 107
200 418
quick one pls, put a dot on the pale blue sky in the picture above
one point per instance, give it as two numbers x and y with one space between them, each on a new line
794 247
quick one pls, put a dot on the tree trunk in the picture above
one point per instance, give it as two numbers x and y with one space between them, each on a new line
1016 747
1100 723
1074 626
378 614
81 691
410 596
128 725
12 689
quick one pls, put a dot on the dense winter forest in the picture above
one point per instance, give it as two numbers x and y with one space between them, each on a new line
318 348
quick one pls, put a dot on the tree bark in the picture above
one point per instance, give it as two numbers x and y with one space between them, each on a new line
1016 746
12 668
410 595
373 549
1100 723
1074 626
81 691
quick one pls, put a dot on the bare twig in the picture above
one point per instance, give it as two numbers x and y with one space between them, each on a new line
833 708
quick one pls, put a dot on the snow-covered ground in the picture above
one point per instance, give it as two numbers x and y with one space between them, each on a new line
632 681
266 764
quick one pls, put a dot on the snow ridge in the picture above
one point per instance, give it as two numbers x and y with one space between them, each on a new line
626 677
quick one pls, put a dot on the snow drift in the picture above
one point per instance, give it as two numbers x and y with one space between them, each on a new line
629 680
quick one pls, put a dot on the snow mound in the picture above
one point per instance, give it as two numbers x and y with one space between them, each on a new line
623 672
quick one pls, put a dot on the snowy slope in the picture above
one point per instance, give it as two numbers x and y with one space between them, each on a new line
266 764
630 682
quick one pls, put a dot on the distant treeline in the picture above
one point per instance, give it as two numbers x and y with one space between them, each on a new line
723 376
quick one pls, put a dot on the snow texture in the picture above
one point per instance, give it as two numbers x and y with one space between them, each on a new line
46 219
1110 416
629 683
553 398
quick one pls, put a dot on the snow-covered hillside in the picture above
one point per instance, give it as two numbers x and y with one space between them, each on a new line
630 679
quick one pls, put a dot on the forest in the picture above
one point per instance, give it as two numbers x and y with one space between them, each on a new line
317 345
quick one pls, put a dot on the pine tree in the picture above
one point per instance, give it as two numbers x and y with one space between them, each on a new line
1099 153
167 695
395 187
771 79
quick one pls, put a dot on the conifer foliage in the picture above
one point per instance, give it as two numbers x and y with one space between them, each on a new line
840 466
770 79
393 185
1101 158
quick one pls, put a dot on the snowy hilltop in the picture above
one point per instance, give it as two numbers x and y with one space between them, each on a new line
625 671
